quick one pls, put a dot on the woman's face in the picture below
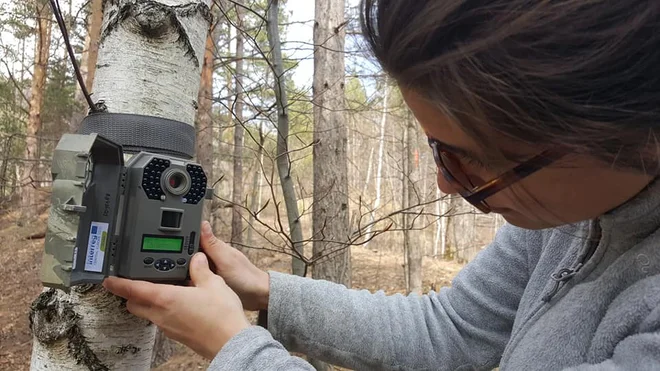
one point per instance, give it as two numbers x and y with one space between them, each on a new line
574 188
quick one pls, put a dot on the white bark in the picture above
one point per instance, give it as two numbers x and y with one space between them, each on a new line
149 63
88 330
155 76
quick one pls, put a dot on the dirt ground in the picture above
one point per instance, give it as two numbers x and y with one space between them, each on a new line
20 257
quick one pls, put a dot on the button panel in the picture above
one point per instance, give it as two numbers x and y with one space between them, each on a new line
151 178
191 243
164 264
198 184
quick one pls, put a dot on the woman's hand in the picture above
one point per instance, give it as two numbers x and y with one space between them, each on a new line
204 316
250 283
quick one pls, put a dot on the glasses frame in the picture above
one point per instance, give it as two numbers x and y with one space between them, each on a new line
477 195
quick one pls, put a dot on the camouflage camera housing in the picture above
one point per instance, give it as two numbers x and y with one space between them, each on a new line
140 220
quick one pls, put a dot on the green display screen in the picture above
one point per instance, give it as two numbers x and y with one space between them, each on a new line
162 244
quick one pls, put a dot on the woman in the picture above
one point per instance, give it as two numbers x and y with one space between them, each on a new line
543 111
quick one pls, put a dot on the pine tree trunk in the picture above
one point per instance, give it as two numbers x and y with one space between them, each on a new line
88 61
330 215
330 211
150 61
30 172
283 161
204 119
239 133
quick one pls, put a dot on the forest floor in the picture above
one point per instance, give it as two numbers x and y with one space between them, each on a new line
20 259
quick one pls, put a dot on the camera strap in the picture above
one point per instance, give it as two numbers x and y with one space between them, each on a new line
136 133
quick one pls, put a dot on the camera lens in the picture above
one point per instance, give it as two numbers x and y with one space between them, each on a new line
176 182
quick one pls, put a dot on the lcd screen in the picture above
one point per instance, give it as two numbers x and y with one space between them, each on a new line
162 244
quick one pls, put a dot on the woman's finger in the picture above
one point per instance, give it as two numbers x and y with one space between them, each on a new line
143 311
139 291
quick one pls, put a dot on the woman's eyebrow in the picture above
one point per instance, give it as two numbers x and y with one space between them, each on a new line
459 151
481 158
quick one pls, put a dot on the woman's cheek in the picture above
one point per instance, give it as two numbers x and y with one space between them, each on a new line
444 185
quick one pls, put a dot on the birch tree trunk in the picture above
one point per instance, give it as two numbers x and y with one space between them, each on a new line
29 174
330 214
150 58
88 61
283 161
239 133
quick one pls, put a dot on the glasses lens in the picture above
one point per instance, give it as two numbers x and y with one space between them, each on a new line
453 172
455 168
464 184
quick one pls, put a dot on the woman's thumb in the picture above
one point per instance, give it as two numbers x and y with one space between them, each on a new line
200 273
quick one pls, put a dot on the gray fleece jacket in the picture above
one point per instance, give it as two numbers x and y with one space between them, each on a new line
580 297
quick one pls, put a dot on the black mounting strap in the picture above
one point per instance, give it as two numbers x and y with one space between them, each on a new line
136 133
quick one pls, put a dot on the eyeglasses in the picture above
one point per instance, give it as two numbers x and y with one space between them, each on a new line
468 187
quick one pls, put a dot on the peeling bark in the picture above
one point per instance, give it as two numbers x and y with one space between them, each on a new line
149 52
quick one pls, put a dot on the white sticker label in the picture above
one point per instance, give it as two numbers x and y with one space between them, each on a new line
98 239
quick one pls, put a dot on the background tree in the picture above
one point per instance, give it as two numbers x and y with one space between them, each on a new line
88 61
30 178
239 130
330 207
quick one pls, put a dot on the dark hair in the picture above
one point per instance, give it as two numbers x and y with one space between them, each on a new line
583 75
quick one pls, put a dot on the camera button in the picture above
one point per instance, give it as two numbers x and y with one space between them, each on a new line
181 261
148 260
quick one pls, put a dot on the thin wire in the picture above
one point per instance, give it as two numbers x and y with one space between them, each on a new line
55 5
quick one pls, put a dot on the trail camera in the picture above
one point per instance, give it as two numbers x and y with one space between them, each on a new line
138 219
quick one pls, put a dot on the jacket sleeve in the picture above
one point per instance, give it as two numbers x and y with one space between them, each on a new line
467 325
254 349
